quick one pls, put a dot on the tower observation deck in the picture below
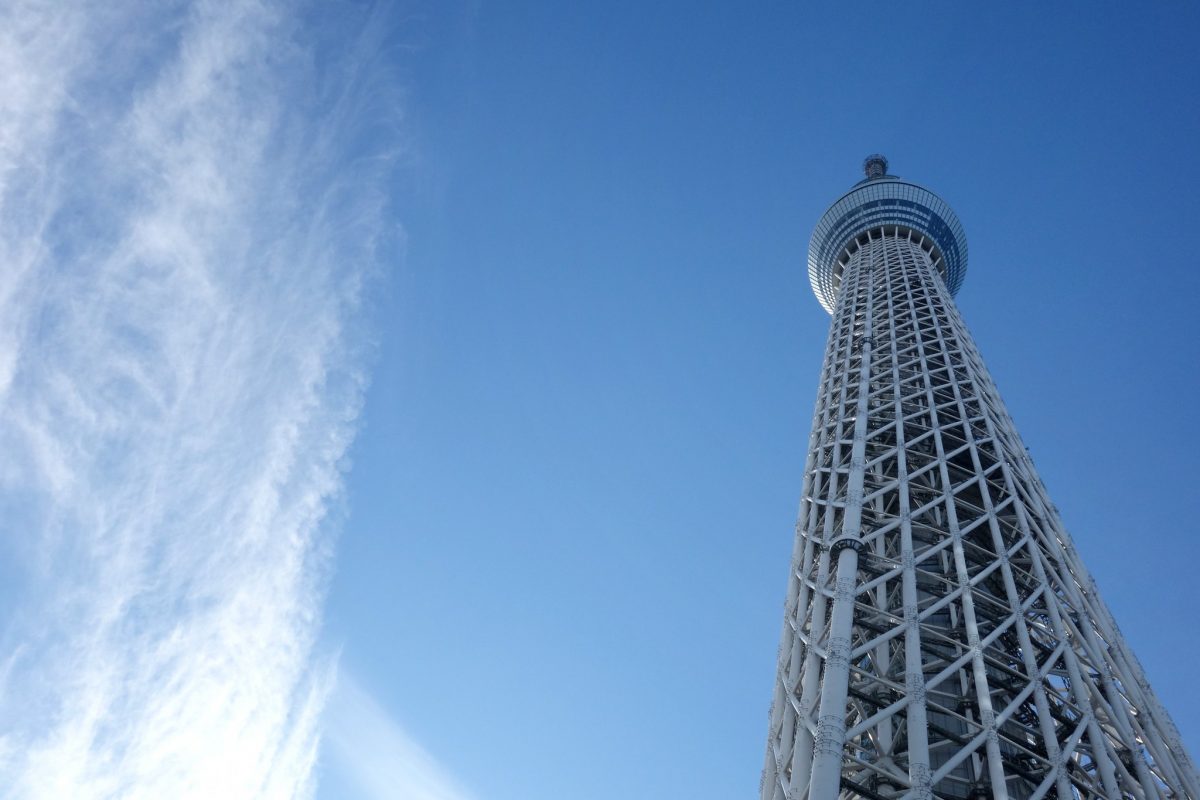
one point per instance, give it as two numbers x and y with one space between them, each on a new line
941 637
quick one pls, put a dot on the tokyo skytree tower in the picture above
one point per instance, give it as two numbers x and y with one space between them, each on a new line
941 637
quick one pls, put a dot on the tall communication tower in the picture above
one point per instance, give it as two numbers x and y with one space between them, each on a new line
942 638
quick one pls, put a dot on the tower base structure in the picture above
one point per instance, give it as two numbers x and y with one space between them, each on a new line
942 638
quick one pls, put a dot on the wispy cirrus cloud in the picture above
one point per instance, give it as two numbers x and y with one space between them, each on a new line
191 199
377 755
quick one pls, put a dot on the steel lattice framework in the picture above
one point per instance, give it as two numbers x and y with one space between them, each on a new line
942 638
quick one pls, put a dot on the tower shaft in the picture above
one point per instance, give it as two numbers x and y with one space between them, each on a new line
941 636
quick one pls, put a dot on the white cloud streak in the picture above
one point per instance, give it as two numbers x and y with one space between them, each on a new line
190 204
381 759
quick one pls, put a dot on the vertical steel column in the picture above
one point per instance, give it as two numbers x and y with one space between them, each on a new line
916 726
831 718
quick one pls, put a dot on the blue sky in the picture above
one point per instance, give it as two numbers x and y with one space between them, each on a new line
410 400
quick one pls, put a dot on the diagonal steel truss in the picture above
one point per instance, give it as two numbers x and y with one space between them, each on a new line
942 638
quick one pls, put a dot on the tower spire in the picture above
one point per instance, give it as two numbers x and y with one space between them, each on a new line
875 166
